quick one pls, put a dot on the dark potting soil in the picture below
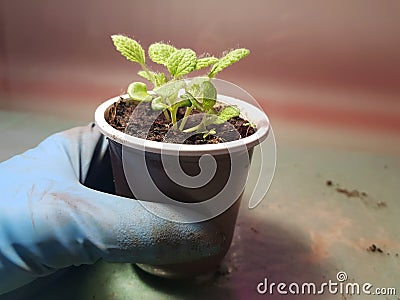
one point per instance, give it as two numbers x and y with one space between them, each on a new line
139 120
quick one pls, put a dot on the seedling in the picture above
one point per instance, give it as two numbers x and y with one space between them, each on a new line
170 91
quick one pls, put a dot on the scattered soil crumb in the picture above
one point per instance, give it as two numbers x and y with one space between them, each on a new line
385 166
329 183
352 193
374 248
254 230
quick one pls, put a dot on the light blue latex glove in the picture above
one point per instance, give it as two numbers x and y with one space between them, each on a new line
50 220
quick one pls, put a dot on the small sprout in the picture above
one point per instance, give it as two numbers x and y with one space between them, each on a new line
171 93
227 113
249 124
145 75
209 132
160 79
138 91
157 79
158 104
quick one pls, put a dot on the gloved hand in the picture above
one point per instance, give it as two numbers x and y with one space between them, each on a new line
50 220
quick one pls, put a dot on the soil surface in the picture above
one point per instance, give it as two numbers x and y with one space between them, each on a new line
139 120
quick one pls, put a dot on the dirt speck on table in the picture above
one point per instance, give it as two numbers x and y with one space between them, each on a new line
374 248
354 193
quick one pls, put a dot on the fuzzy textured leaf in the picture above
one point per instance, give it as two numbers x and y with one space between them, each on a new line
198 80
160 53
154 77
169 89
160 79
205 62
138 91
129 48
158 104
227 60
181 62
227 113
194 86
145 75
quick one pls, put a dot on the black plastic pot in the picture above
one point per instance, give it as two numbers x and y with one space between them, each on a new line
132 158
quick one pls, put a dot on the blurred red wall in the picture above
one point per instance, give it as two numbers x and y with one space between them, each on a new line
62 49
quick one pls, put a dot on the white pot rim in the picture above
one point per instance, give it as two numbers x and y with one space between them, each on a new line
248 111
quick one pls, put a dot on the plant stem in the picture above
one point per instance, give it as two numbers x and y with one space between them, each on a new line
201 127
153 80
167 116
173 116
187 113
191 129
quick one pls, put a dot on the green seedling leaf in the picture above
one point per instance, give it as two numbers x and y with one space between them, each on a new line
227 113
129 48
202 127
160 53
249 124
181 62
227 60
188 96
194 90
199 93
145 75
194 86
210 132
169 89
210 119
198 81
160 78
205 62
138 91
158 104
209 95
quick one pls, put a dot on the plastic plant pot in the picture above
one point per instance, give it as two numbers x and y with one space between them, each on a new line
141 170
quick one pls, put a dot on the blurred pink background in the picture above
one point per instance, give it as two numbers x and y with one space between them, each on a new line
319 64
